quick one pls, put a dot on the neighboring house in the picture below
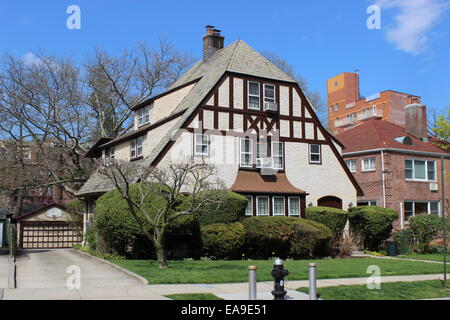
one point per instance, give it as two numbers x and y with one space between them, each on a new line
50 226
398 167
11 172
347 109
240 112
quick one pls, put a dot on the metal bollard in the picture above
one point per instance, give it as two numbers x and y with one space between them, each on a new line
312 282
251 282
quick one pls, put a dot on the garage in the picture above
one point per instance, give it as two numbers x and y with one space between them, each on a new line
49 227
330 201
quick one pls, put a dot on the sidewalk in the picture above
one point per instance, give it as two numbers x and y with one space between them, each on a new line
235 291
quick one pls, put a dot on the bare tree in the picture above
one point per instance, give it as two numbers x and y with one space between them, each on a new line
118 83
169 183
313 96
58 108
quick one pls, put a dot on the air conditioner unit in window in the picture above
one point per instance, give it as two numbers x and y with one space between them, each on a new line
270 106
264 163
433 186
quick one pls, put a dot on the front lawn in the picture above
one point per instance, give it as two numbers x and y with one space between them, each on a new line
193 296
227 271
428 256
389 291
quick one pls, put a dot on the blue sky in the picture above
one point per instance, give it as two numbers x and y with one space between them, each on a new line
410 52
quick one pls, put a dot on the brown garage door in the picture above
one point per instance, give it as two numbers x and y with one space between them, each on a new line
49 234
330 201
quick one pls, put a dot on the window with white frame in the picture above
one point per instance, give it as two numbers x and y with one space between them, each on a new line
262 206
351 164
315 154
368 164
366 203
246 153
277 154
249 209
136 147
412 208
201 144
294 206
262 153
421 170
143 116
253 95
269 93
278 206
109 153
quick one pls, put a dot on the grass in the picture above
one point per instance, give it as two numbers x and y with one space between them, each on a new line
389 291
228 271
193 296
428 256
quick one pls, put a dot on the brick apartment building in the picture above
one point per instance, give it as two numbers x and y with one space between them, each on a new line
397 167
347 109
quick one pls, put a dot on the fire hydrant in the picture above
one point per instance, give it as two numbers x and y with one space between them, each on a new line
278 274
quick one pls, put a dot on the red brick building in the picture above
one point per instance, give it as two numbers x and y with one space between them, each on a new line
397 167
347 109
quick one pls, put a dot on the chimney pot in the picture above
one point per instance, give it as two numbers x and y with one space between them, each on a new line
212 42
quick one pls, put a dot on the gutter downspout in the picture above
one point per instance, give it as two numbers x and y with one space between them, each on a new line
382 178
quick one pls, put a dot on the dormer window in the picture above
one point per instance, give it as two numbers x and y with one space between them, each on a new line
143 116
137 147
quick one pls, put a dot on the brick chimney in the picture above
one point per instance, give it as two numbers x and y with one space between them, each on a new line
416 120
212 42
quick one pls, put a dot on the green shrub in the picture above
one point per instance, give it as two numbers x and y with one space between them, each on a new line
283 236
118 230
223 241
423 229
231 210
333 218
373 223
403 239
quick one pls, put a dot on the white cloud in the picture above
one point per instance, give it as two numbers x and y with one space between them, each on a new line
30 59
413 22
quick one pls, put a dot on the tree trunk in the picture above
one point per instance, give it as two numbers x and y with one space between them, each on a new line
161 254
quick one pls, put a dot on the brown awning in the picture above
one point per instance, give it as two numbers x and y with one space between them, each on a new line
254 182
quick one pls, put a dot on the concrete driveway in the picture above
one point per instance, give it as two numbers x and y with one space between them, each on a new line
52 274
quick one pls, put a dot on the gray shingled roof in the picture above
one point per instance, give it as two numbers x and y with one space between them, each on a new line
237 57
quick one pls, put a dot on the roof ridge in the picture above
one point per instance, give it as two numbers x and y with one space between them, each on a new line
378 132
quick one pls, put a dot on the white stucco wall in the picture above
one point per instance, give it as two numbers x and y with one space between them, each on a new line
319 180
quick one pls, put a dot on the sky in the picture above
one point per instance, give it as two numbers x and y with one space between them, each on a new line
406 50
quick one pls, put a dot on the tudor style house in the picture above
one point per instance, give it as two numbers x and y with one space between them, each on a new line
240 112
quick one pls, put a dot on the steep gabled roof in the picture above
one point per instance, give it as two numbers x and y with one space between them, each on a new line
237 57
382 134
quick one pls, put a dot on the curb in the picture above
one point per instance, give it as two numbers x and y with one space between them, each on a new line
113 265
12 273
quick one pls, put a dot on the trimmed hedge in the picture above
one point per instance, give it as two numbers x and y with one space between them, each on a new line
284 236
118 229
333 218
372 222
223 241
231 210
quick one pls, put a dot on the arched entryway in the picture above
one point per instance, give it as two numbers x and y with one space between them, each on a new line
330 201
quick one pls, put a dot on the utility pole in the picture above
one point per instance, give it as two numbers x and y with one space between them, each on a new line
444 221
